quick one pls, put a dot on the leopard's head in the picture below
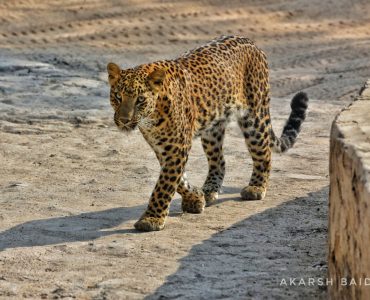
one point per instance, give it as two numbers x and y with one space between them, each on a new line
133 94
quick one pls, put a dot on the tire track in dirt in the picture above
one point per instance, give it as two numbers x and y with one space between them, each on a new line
184 25
191 24
325 63
131 29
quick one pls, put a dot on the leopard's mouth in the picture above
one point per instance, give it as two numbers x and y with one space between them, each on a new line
125 124
127 127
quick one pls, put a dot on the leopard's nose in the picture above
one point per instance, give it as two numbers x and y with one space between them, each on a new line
119 119
124 120
125 113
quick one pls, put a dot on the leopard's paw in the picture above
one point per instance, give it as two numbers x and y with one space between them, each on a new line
193 203
210 198
150 224
251 192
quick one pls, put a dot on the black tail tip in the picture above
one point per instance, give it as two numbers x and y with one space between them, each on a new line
299 102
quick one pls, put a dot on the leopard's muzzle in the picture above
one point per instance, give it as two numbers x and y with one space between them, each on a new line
124 116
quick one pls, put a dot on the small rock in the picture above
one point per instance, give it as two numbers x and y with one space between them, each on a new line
142 170
7 101
57 291
112 152
17 184
322 265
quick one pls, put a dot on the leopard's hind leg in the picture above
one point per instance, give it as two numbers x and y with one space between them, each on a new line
192 197
255 128
212 142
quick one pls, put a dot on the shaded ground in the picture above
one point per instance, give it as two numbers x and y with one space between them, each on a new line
71 185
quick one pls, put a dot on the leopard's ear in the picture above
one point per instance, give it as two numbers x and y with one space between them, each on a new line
156 78
114 72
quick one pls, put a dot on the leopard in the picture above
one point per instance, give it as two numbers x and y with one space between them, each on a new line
194 95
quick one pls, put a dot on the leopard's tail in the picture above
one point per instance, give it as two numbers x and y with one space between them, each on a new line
293 125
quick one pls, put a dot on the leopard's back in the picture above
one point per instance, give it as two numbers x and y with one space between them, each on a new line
227 73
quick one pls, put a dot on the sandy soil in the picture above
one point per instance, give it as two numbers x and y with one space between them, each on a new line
72 185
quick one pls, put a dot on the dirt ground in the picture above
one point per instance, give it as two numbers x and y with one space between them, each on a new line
72 185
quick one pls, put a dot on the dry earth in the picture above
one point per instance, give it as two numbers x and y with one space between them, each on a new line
72 185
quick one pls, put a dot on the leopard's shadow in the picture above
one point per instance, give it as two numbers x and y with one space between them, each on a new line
84 226
81 227
249 259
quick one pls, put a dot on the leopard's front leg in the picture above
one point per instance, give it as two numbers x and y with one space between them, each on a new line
172 168
193 200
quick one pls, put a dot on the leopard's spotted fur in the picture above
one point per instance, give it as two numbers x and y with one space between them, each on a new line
174 100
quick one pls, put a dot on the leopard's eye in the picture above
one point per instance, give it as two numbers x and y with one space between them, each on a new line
117 96
140 99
